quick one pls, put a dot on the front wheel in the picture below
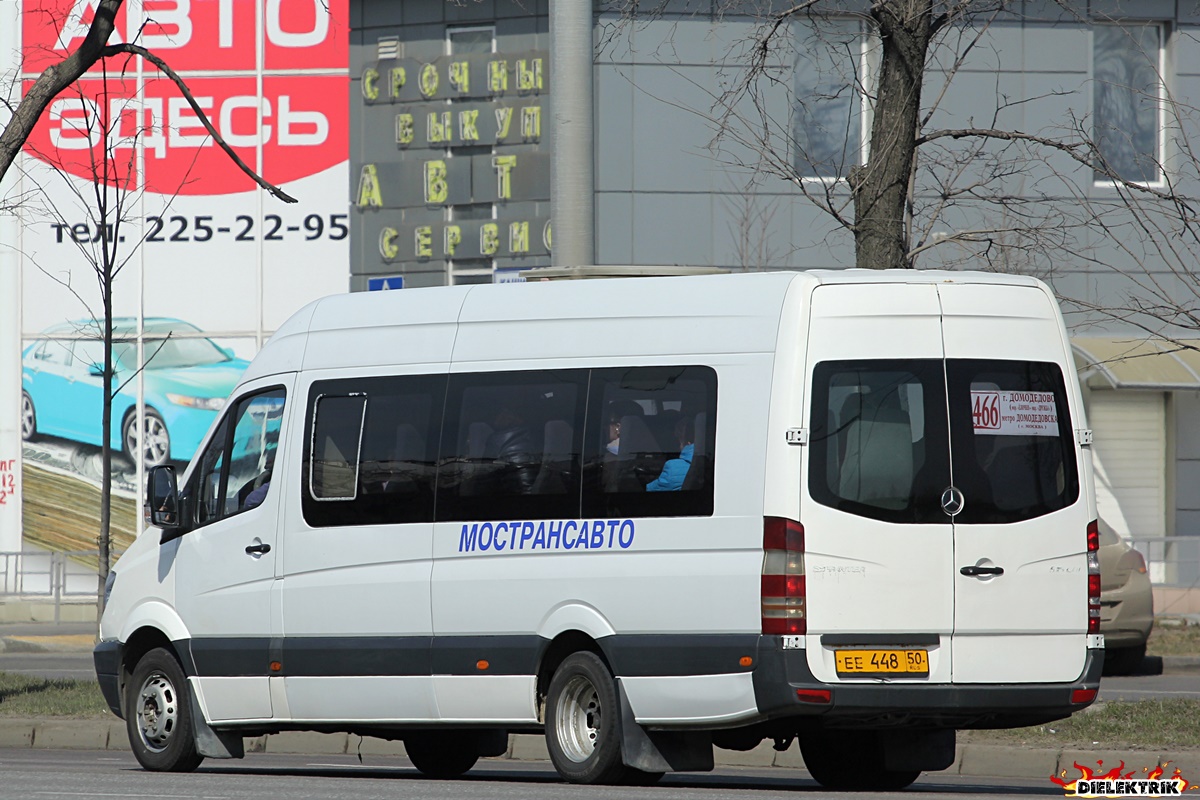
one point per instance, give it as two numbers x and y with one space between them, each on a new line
440 754
583 722
158 715
156 441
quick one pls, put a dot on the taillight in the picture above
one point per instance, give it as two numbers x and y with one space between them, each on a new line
1093 576
783 577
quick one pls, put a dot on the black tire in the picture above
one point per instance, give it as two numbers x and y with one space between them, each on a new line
583 722
851 761
1124 660
158 715
440 754
156 445
28 418
636 777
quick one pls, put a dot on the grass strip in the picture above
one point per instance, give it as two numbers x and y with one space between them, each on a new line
1142 725
31 696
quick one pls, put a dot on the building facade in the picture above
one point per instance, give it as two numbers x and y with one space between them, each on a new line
453 113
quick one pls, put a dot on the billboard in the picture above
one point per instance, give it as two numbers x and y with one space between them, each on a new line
199 251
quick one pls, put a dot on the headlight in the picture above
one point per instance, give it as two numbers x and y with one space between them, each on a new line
108 585
206 403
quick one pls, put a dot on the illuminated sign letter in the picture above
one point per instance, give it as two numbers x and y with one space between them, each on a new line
504 167
453 237
370 89
489 238
368 188
529 75
429 80
497 76
503 120
467 130
424 241
518 237
439 128
436 189
531 122
399 78
404 129
387 244
460 76
546 235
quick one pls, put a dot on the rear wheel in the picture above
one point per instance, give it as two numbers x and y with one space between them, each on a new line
158 715
851 761
1124 660
583 728
440 754
156 441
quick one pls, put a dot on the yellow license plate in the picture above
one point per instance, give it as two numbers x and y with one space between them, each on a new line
881 662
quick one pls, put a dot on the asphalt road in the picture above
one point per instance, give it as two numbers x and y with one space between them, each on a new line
1134 687
49 774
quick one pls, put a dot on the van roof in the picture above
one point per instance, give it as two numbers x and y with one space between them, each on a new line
584 318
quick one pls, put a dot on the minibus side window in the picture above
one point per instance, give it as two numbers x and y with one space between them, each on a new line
337 432
511 446
236 468
651 442
371 450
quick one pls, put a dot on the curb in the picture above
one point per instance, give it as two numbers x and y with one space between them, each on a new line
973 760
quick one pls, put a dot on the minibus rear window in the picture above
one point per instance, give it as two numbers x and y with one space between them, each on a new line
878 443
889 437
1011 438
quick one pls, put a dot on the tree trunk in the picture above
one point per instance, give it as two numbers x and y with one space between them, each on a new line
881 186
104 537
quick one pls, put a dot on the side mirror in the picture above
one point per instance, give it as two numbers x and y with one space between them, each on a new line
96 370
162 502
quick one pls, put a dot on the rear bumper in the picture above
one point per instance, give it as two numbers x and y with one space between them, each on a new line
107 656
781 673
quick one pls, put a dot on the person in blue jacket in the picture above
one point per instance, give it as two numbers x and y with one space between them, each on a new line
676 469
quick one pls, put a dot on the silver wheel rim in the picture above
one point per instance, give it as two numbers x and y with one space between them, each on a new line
27 418
156 443
157 712
578 719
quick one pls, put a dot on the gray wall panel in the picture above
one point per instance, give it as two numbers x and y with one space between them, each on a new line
614 217
670 130
1055 48
614 128
672 229
752 231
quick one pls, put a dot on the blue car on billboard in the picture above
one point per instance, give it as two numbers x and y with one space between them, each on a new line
187 379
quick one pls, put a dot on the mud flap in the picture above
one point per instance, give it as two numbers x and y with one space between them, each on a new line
210 743
927 750
661 751
491 744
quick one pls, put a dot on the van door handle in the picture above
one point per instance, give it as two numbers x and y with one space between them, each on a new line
971 571
258 549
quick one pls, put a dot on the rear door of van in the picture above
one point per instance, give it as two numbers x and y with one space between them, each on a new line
1020 610
944 522
879 551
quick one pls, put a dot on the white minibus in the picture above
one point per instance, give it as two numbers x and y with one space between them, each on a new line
647 517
